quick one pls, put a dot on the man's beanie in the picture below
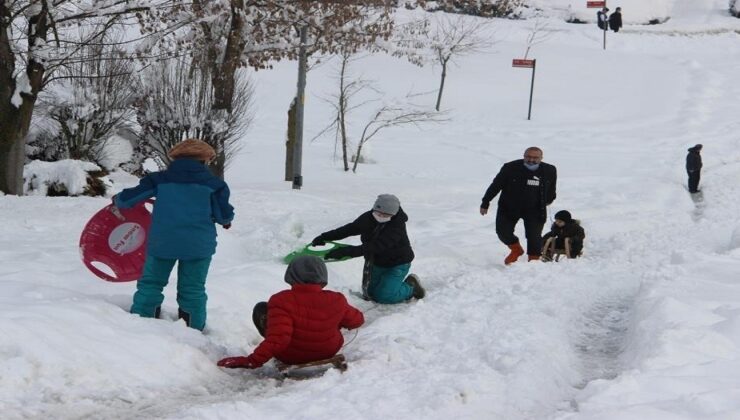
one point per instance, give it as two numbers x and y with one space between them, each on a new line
563 215
192 148
306 269
387 203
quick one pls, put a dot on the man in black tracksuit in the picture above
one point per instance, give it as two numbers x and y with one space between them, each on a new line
693 167
527 187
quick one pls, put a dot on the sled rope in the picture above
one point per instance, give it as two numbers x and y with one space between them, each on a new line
357 330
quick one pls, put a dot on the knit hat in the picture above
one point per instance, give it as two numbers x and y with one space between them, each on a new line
563 215
306 269
192 148
387 203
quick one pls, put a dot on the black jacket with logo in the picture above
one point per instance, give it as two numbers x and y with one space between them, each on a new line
387 244
511 182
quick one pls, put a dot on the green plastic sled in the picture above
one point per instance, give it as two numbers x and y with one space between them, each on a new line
320 252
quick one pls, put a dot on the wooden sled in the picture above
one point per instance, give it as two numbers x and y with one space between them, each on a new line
550 253
311 369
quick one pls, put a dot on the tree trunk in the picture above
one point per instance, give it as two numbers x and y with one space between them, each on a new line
16 121
290 142
357 156
441 83
342 112
12 160
224 78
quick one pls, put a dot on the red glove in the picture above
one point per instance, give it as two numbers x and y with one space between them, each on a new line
226 226
238 362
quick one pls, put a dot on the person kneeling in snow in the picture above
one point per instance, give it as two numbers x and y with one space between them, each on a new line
300 325
386 248
190 200
565 234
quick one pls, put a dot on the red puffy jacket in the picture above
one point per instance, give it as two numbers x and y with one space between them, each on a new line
303 325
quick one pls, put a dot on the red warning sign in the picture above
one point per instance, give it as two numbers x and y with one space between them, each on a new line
522 63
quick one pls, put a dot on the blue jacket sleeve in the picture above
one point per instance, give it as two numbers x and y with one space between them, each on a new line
223 212
130 197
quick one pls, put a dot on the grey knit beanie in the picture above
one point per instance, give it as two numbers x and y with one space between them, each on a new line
306 269
387 203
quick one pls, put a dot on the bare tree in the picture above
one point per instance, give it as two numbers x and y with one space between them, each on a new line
89 100
178 102
394 116
537 35
37 37
343 104
455 37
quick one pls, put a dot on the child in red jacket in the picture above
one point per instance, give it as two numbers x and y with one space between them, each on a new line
300 325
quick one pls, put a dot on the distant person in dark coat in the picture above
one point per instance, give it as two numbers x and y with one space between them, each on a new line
615 20
602 19
693 167
527 187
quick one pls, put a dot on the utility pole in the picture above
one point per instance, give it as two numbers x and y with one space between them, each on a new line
300 101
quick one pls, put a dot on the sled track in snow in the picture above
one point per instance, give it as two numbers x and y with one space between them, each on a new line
601 341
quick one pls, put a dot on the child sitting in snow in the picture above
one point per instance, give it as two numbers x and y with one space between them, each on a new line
300 325
565 234
386 248
189 200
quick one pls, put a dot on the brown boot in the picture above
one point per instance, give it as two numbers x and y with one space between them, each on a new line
533 257
516 252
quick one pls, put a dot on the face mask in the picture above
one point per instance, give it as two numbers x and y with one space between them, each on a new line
381 219
531 166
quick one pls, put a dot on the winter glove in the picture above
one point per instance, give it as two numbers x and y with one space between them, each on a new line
227 226
238 362
318 241
337 253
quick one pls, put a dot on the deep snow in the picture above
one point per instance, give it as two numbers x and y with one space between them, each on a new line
645 325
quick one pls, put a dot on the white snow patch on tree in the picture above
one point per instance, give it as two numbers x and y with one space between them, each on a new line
22 85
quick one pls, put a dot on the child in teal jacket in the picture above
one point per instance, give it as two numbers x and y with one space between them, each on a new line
190 200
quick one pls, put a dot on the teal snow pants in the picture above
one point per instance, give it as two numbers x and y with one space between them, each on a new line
387 284
191 289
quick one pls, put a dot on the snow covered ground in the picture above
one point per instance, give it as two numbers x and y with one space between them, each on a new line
645 326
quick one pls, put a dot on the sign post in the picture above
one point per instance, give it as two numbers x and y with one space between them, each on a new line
600 5
527 64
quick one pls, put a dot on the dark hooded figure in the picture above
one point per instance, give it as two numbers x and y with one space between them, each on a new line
602 20
615 20
693 167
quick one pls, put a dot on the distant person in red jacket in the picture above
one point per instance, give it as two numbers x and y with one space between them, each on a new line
300 325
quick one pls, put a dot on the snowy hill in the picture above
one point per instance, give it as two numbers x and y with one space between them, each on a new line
646 325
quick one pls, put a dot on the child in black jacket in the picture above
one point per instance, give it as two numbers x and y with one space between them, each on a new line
567 234
386 249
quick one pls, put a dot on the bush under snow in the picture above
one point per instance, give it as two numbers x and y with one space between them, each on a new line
65 177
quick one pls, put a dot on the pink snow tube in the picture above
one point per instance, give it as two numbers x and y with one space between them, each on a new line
116 238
